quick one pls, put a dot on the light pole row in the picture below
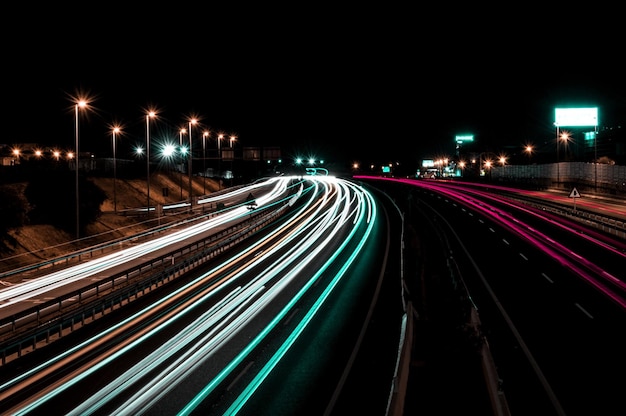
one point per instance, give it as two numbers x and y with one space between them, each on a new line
116 130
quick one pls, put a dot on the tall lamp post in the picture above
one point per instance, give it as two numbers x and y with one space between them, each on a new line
191 122
564 137
219 159
115 131
488 167
595 156
180 147
150 115
502 160
232 141
529 150
79 104
204 136
16 153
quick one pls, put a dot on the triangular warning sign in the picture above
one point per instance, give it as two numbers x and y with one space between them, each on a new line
574 193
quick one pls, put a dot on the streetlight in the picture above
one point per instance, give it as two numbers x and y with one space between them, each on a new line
151 114
79 104
558 174
502 160
182 151
219 159
191 122
488 167
232 140
565 137
529 150
204 136
115 131
595 156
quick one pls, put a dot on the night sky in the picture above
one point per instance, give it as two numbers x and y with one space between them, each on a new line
343 84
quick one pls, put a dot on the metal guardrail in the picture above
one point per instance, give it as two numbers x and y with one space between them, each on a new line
199 211
603 223
49 321
105 247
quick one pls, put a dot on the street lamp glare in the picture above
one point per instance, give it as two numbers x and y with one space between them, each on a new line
168 150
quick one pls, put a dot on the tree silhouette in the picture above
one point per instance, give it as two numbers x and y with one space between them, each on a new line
53 204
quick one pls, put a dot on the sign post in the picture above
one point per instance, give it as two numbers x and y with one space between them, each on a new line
574 195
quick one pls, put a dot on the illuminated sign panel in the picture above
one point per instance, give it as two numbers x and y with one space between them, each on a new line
428 163
576 117
590 135
464 138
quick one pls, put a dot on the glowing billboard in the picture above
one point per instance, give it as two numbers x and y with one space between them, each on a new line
464 138
576 117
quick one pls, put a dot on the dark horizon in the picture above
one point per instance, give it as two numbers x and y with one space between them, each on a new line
374 89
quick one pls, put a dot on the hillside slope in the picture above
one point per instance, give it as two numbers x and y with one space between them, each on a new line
33 243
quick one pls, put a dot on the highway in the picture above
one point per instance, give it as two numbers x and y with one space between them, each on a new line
549 289
275 323
216 339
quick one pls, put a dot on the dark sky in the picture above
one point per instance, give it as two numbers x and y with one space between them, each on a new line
339 84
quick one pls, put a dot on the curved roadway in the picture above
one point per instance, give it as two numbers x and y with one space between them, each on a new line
217 342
